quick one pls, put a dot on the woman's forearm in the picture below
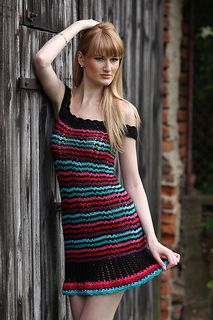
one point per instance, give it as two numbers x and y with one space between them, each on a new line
55 45
138 196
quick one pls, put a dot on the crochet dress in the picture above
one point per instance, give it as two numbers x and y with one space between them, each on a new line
105 245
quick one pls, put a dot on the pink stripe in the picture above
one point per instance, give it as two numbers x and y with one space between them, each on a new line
106 247
134 218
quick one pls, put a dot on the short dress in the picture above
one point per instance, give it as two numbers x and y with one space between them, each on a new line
105 245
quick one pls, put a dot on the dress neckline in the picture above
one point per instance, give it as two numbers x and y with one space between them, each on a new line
68 95
80 118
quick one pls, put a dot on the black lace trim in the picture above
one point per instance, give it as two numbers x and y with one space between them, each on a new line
66 116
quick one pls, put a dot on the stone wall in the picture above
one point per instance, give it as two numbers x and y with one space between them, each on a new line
174 146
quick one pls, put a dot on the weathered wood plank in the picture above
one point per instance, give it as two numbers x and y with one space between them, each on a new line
51 16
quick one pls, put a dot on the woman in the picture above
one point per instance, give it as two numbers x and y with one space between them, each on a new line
110 243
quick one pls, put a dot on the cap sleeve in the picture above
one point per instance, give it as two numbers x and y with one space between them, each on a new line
131 131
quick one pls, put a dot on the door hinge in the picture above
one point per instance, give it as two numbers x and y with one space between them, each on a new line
28 83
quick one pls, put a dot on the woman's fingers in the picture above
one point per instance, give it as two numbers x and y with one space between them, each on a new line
159 252
173 259
160 262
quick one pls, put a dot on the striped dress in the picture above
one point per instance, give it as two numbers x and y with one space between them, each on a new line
105 245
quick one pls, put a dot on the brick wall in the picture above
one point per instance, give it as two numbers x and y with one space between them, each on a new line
174 146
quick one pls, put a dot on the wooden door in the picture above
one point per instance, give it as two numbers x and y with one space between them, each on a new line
31 264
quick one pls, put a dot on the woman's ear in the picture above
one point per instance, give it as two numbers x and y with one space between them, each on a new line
80 57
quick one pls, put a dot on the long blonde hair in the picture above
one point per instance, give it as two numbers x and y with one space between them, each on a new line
103 39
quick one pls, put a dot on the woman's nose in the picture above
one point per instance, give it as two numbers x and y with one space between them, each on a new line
107 65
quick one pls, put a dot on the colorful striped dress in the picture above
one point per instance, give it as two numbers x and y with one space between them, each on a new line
105 245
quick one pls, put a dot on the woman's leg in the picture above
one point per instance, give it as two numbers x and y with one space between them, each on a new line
101 307
77 304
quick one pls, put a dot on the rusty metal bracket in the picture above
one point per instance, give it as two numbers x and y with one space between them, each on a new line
28 83
31 15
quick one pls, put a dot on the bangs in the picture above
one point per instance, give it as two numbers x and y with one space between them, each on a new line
106 45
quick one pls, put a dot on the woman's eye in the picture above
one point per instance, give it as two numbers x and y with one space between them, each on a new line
115 59
99 58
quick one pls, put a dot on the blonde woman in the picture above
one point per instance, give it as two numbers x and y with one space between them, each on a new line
109 239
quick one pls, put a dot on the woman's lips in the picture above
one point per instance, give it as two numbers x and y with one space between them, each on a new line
106 76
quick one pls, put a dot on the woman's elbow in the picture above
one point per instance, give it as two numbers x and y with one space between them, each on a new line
39 61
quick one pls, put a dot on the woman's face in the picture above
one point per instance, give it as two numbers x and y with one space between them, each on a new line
99 69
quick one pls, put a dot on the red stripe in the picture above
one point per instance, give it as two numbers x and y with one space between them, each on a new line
98 226
126 246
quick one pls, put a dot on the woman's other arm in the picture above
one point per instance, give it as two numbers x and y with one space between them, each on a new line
133 185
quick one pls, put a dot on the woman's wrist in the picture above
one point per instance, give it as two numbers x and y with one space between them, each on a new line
152 239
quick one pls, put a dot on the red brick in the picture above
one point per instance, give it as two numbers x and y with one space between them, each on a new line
168 145
167 203
169 191
166 8
168 240
166 131
164 315
167 218
165 276
165 23
166 36
164 303
169 177
165 62
182 114
165 115
183 151
168 229
165 89
165 102
183 127
174 273
165 75
183 139
165 288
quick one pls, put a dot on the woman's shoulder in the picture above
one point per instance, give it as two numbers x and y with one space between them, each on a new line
130 112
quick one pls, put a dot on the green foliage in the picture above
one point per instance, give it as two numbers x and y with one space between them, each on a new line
203 104
207 223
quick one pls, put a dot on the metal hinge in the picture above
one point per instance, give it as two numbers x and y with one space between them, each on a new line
28 83
31 16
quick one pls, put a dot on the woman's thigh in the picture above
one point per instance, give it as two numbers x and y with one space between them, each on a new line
77 305
101 306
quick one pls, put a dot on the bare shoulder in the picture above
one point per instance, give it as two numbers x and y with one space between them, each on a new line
129 111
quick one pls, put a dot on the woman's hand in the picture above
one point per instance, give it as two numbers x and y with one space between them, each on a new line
159 251
86 24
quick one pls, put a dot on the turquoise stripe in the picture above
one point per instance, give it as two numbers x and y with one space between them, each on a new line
83 166
90 144
83 189
89 214
89 169
118 288
96 193
106 239
98 215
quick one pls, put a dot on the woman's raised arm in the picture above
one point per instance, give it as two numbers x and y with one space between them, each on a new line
51 84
